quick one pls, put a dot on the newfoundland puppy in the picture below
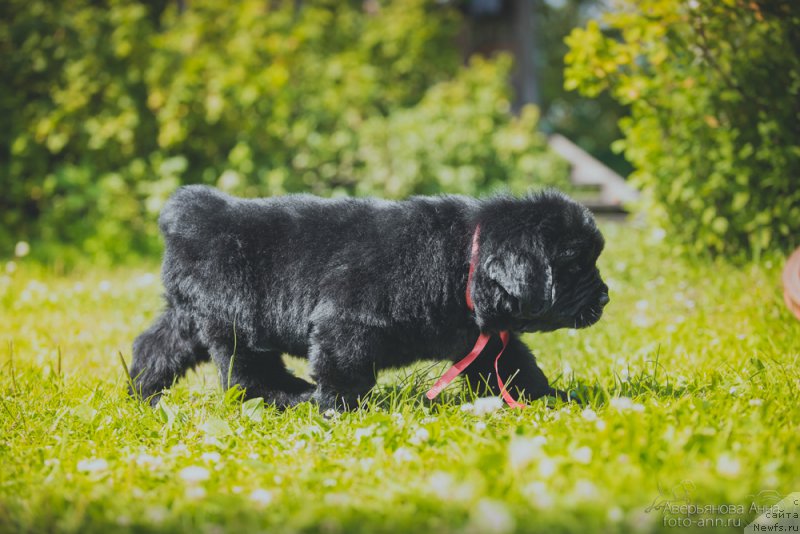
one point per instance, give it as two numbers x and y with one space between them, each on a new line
357 285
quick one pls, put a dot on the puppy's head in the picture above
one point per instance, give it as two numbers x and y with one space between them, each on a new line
536 268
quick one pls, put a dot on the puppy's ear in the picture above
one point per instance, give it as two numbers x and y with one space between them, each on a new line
507 277
526 284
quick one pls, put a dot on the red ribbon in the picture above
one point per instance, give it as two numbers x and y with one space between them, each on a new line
480 344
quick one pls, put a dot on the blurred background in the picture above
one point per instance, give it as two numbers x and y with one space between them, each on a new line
108 106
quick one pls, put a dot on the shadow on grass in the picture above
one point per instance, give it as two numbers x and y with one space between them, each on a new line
409 390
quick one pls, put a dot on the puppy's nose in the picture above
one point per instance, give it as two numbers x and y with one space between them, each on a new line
603 299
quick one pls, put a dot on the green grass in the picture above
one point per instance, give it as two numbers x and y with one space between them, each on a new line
691 379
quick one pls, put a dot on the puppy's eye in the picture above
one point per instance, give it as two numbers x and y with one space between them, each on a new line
568 254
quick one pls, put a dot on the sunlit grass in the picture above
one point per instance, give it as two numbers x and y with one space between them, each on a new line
690 382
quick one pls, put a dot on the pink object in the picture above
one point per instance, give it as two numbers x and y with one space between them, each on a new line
483 339
791 283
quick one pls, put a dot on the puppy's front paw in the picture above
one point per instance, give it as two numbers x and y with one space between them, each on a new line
331 400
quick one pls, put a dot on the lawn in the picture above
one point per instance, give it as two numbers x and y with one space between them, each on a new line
690 379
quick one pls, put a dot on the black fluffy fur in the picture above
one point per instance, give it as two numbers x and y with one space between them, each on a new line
360 285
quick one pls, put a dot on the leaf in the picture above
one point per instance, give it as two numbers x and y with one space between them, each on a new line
167 412
253 409
84 412
216 427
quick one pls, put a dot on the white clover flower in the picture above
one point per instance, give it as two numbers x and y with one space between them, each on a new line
421 435
194 474
728 466
261 497
600 425
483 406
212 457
491 517
585 490
366 463
547 466
397 419
582 455
149 461
156 514
11 267
615 514
658 234
589 415
363 433
539 495
441 484
624 404
93 465
180 448
522 451
479 426
145 279
195 492
403 455
755 402
22 249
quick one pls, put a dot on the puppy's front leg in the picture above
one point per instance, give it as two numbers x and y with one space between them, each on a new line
342 364
518 370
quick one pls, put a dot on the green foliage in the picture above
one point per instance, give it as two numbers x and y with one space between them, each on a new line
714 91
111 105
459 139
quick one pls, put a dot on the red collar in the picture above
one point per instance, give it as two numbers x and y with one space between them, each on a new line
483 339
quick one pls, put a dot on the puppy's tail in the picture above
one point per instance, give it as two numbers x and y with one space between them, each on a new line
163 353
191 210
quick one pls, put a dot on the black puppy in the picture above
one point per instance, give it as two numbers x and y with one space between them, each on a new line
360 285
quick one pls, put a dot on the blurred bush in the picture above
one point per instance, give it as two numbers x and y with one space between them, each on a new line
111 105
714 131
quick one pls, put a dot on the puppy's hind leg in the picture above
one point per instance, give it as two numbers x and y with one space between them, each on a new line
163 353
260 374
343 363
